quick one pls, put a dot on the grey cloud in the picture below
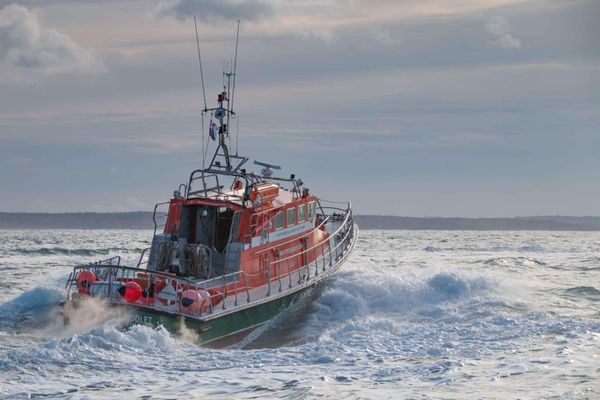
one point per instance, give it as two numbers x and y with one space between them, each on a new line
25 43
501 30
209 10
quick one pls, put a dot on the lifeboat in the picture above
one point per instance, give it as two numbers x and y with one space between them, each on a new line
231 248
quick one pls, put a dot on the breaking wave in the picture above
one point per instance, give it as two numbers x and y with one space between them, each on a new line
31 308
513 262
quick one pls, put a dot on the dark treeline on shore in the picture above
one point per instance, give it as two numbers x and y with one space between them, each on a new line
143 220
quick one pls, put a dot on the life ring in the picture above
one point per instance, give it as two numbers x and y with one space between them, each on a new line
167 295
85 279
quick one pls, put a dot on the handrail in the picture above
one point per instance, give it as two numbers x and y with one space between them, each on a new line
249 177
348 214
124 268
225 290
181 282
156 226
307 233
321 257
184 192
334 202
141 256
348 223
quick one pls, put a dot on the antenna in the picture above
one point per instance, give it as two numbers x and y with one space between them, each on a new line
237 39
266 165
203 153
200 63
237 135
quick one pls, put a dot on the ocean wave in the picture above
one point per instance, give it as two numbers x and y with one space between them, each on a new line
395 318
475 248
51 251
532 247
29 308
513 262
387 299
452 286
588 292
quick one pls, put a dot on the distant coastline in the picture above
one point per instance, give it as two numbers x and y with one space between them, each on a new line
143 220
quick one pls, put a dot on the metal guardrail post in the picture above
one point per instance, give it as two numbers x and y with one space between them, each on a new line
289 273
323 255
247 290
269 280
69 282
279 275
224 292
110 284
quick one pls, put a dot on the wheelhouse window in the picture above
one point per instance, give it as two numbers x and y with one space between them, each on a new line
279 220
301 213
311 210
291 216
223 222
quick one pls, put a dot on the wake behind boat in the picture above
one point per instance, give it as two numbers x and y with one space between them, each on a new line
235 249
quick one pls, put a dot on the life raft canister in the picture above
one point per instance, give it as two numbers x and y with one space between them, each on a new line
194 300
85 280
130 292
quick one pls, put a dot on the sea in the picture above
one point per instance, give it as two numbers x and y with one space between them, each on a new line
411 315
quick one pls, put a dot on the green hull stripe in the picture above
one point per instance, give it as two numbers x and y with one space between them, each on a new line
217 328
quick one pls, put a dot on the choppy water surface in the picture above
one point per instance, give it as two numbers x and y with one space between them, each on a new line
411 315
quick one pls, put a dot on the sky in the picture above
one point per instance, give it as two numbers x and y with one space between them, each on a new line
414 108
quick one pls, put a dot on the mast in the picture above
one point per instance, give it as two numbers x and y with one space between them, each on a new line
224 113
223 162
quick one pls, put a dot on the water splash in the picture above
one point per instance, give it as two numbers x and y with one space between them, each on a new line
30 309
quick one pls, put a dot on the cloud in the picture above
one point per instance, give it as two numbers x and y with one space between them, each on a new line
501 30
210 10
382 35
26 44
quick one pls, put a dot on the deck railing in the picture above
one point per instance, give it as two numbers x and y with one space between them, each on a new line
322 252
143 260
231 289
112 277
159 217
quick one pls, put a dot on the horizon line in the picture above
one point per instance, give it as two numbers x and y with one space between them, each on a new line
356 214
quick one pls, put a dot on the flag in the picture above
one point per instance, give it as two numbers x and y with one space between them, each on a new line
212 132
